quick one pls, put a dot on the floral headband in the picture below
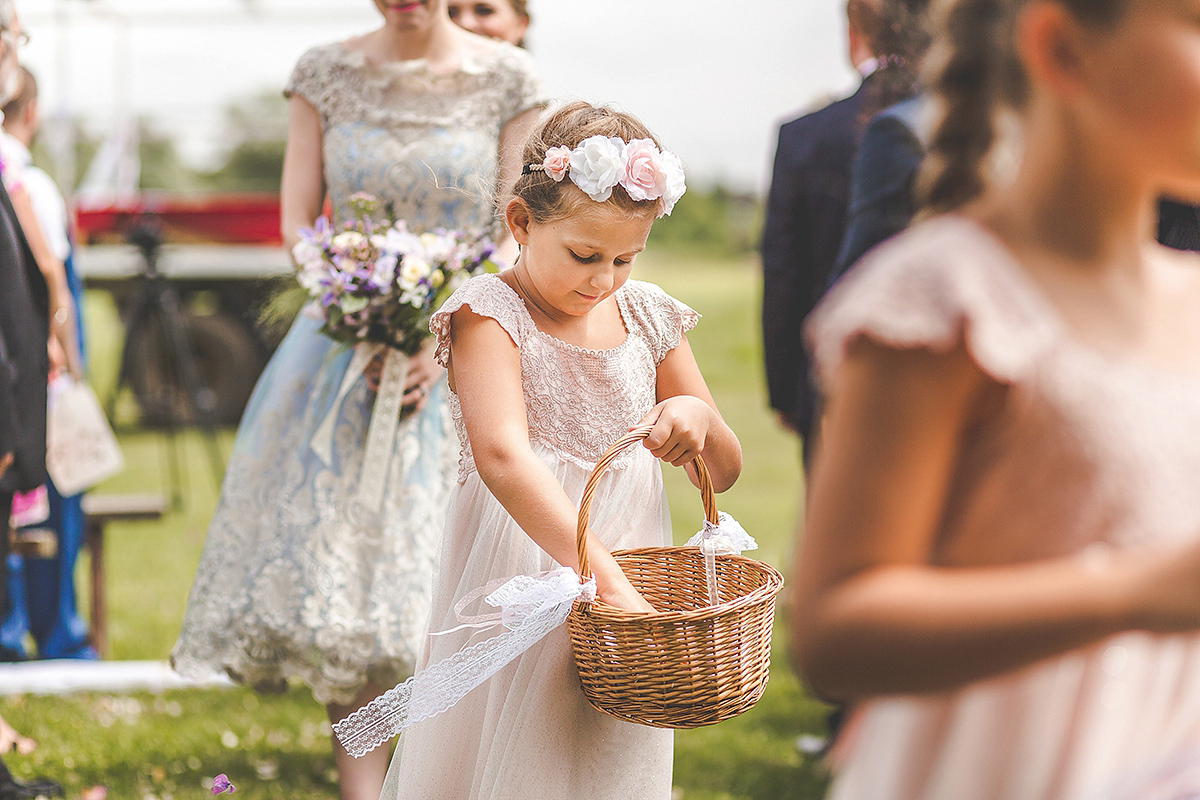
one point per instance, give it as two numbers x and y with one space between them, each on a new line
599 163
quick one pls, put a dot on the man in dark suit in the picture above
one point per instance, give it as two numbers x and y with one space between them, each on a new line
805 222
24 329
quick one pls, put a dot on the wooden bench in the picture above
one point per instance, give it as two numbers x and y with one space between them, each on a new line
98 511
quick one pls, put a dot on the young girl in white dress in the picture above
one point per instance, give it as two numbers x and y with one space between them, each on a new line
549 363
1001 565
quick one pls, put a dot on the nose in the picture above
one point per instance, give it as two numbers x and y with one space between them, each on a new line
602 279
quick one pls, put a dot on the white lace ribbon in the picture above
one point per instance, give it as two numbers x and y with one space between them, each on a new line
726 538
530 607
385 418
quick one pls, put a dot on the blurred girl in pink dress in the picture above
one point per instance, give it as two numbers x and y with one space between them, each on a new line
1001 568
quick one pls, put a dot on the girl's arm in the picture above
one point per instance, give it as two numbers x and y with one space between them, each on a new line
869 615
687 423
485 372
302 188
512 142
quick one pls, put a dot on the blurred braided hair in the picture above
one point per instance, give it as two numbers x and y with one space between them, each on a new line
973 71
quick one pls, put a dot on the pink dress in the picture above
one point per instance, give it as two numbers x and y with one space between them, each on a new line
528 732
1086 451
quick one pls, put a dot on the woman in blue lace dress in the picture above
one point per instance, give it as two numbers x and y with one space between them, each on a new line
297 580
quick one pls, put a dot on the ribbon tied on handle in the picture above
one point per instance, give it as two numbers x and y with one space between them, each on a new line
726 538
530 606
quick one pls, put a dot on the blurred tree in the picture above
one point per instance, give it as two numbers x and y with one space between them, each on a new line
256 127
716 220
162 166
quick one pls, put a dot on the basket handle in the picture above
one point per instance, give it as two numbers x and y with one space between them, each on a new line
707 496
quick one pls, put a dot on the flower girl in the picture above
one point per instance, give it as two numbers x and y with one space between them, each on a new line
549 363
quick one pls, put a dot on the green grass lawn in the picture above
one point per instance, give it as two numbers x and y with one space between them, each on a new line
158 746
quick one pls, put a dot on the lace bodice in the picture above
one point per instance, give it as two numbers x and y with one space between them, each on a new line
577 401
425 143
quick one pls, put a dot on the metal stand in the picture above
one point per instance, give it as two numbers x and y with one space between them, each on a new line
156 308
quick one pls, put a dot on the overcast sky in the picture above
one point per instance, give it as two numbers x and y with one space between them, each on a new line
712 79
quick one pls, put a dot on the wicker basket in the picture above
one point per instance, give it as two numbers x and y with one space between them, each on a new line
692 664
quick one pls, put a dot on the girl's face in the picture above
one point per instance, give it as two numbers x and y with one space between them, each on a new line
1144 90
577 262
410 14
493 18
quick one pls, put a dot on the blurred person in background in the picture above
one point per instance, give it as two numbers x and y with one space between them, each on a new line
1001 562
507 20
47 608
24 372
297 579
805 221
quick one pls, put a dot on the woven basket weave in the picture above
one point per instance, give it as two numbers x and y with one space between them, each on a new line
692 664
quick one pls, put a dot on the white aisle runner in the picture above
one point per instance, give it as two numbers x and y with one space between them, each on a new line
71 675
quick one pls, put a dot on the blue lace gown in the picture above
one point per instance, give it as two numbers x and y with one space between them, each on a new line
296 580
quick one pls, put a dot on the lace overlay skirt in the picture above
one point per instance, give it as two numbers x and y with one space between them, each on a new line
528 731
296 580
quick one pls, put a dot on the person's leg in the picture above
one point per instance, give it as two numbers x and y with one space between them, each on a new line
54 620
358 778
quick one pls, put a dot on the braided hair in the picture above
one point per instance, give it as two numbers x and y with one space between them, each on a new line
973 71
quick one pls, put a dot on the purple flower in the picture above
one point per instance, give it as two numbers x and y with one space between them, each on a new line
221 785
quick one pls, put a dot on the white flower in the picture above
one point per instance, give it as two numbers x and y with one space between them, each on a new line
399 240
305 253
437 248
351 304
312 279
412 270
349 240
378 240
384 271
672 169
596 166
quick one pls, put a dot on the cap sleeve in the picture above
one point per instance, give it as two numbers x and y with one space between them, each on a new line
487 296
311 78
522 88
940 283
656 317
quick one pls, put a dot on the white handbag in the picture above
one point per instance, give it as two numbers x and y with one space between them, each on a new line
81 449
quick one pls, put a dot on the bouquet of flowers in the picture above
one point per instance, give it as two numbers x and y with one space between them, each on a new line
377 285
379 282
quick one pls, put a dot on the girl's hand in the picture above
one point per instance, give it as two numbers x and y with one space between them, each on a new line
612 586
681 426
621 594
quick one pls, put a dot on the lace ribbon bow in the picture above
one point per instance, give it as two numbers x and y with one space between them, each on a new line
726 538
530 607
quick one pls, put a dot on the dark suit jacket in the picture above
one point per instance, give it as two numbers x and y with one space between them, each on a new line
885 169
805 220
24 363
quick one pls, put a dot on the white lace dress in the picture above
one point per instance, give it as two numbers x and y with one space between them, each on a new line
296 580
528 732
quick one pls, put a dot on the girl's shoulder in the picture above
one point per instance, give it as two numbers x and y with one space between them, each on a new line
487 296
942 281
654 316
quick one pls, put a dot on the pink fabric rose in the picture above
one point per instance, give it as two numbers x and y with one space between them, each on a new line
556 162
644 178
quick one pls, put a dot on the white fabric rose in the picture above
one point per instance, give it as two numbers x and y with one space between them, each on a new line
672 169
596 166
